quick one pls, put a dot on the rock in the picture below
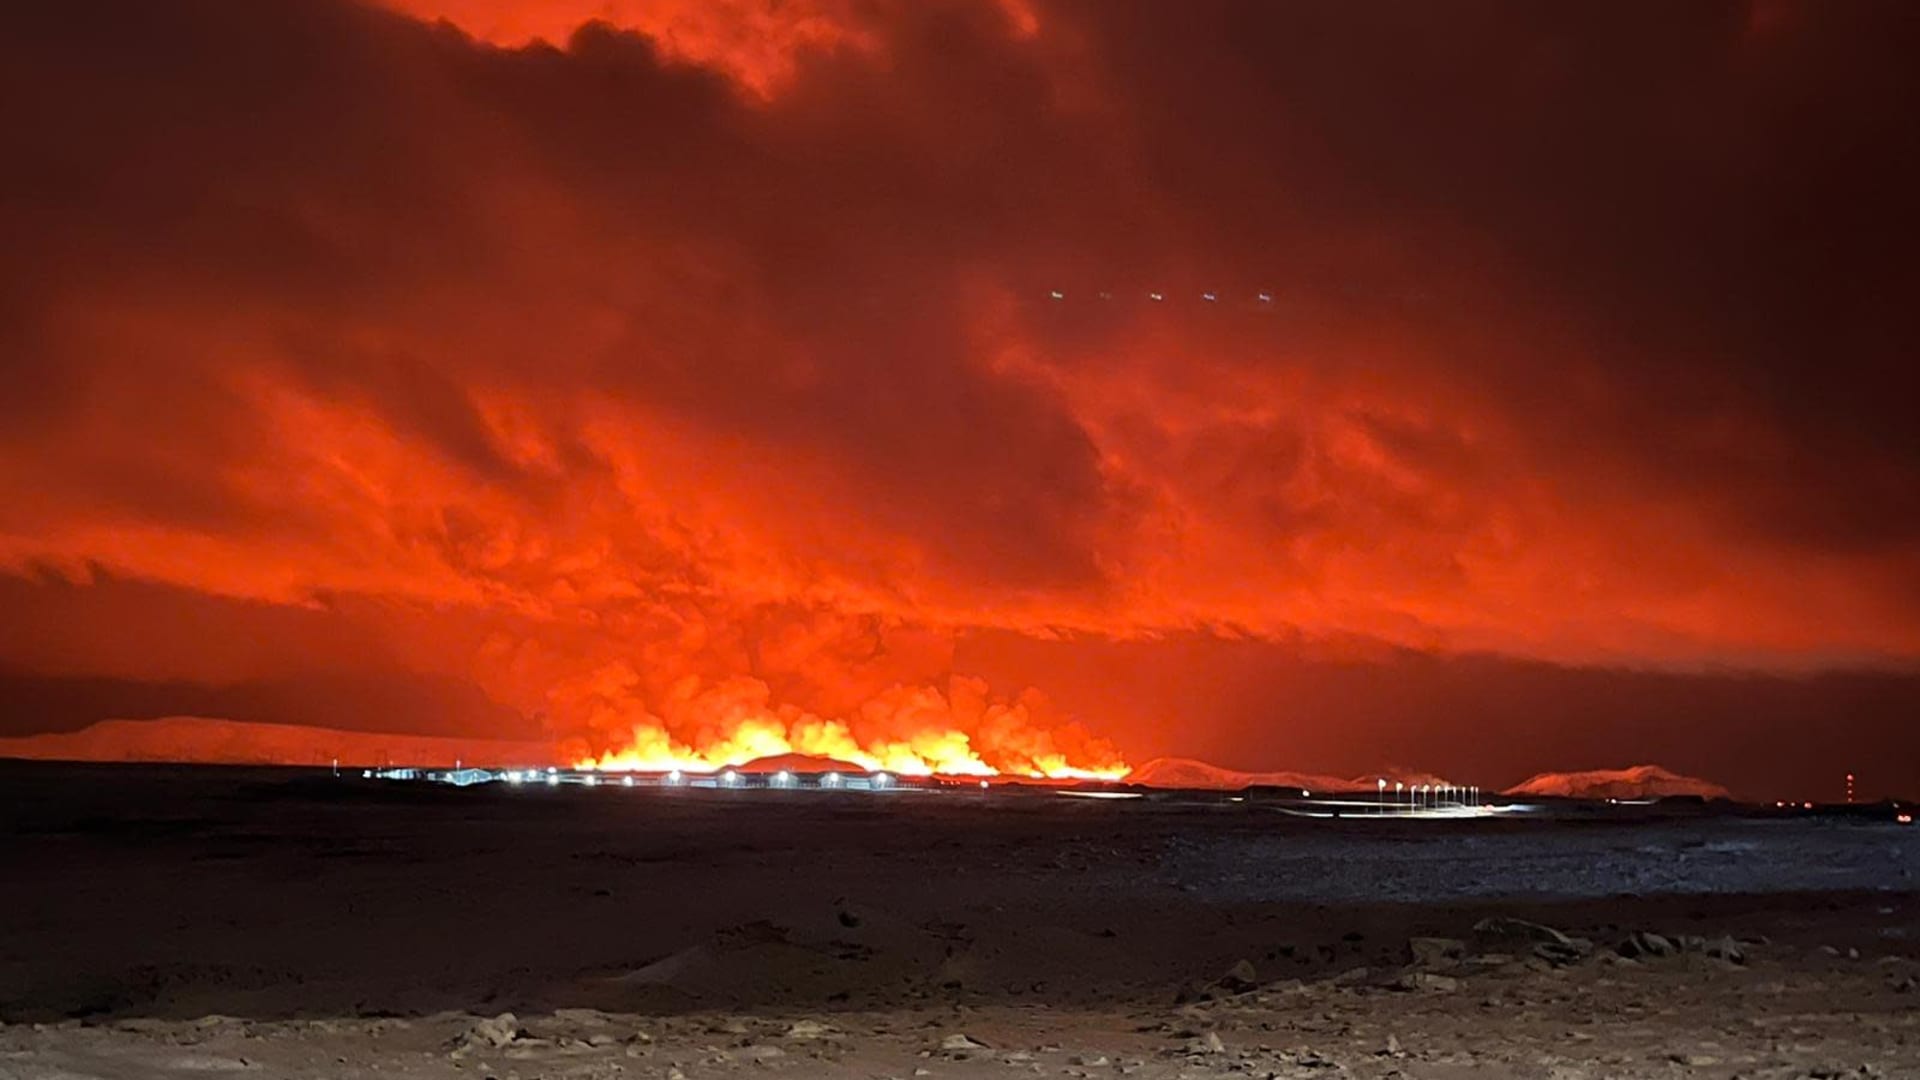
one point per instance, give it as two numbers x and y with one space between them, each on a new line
1392 1049
808 1029
1089 1061
1435 951
1697 1061
1191 991
1426 980
1350 977
1725 948
1503 928
1556 948
1206 1044
1645 943
497 1031
959 1043
1239 978
491 1033
1561 955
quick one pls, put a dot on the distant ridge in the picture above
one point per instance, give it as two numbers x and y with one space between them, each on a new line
212 741
805 764
1638 782
1170 772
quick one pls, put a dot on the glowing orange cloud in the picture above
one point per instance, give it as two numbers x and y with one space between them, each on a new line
755 42
682 424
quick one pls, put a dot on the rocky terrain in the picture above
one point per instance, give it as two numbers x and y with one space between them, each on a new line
186 923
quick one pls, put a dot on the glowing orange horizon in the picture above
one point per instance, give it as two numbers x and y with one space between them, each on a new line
931 751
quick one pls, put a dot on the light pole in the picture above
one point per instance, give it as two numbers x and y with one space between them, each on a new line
1380 804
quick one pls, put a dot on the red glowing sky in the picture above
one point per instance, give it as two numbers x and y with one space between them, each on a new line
446 366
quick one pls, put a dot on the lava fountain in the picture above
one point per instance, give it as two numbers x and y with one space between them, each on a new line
1004 743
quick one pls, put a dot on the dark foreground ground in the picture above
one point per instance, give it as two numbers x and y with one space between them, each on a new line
162 922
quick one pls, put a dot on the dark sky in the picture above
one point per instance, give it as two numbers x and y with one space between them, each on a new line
690 379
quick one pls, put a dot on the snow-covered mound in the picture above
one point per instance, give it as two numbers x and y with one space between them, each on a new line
1198 775
210 741
1639 782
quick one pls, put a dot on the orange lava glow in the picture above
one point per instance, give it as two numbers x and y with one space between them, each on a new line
910 731
931 752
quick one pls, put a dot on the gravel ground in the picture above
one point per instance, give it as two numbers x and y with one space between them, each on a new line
181 922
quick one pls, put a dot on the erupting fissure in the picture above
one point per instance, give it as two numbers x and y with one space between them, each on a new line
935 751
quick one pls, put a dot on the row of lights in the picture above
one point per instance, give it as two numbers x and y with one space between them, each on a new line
728 778
1429 795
